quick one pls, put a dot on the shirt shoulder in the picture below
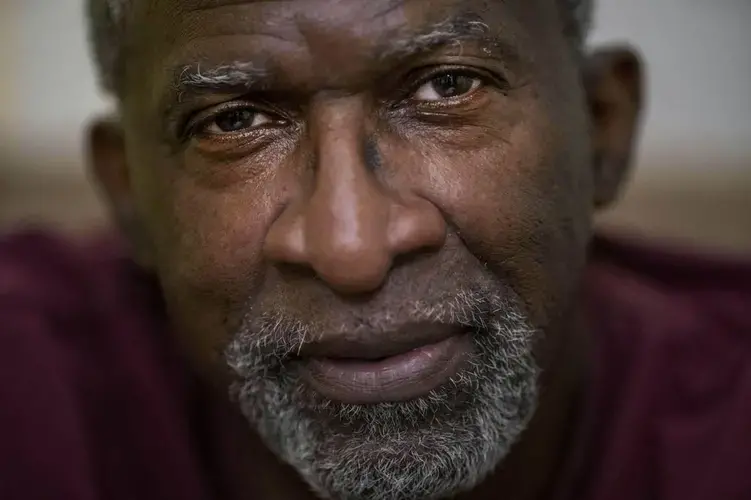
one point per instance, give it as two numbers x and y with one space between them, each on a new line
673 340
46 306
687 303
52 275
91 395
714 286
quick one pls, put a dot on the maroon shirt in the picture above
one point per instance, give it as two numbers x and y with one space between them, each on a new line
94 403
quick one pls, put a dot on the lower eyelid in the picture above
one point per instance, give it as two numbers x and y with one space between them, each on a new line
248 133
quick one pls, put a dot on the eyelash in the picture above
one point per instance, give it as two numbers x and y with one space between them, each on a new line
413 83
194 121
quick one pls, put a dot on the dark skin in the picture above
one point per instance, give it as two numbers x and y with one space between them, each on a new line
356 195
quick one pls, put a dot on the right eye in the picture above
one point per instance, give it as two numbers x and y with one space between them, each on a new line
447 85
233 121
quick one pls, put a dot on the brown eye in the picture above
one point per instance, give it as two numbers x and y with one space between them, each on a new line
446 86
236 120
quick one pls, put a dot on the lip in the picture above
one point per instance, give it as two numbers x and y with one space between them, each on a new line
399 376
369 345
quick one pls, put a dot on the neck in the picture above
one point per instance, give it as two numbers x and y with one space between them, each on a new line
241 466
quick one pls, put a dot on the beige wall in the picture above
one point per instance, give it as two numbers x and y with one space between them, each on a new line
9 14
704 200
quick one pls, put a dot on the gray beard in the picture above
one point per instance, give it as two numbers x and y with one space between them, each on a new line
432 447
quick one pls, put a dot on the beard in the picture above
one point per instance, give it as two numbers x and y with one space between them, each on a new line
434 446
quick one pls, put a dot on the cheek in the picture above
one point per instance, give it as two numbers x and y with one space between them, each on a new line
508 194
216 240
208 245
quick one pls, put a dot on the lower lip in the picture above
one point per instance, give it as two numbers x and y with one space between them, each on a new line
398 378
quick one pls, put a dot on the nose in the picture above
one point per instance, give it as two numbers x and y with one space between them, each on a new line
350 226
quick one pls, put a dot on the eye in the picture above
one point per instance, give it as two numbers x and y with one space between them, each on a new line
235 120
447 85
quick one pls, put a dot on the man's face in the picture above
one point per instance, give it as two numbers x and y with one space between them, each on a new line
370 211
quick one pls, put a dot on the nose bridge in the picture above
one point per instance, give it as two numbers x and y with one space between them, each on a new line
346 219
349 227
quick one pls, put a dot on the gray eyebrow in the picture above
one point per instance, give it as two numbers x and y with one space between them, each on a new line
451 31
236 74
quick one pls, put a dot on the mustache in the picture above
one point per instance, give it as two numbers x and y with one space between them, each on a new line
268 339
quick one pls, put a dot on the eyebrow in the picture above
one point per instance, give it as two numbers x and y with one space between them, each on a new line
242 75
232 75
452 31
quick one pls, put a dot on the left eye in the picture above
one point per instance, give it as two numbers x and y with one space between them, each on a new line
236 120
446 86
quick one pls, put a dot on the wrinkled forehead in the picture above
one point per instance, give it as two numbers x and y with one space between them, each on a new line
334 36
365 17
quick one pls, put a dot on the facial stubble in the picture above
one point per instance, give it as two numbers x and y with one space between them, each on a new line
431 447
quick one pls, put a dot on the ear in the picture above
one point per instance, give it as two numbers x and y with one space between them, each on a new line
614 86
109 169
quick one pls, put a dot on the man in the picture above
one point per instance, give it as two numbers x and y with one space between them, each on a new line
370 224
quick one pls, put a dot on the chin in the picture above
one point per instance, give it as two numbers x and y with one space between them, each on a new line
431 446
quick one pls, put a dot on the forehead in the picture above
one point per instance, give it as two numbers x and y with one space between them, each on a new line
361 16
302 37
294 17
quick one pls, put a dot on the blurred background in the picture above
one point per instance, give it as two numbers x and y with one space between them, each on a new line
693 178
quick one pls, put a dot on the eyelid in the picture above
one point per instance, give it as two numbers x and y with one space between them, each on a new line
200 118
420 77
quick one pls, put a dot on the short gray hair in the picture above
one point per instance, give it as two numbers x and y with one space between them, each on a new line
108 24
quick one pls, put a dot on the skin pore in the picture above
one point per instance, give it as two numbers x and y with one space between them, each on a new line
301 172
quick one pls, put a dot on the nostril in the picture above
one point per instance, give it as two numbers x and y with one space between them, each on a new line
294 271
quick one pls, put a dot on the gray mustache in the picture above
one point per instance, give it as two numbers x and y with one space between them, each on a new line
274 336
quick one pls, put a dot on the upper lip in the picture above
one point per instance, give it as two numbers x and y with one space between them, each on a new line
382 344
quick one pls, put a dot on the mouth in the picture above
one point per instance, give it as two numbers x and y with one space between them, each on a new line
393 367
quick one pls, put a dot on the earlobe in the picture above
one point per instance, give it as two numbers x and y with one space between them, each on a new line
109 171
614 84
